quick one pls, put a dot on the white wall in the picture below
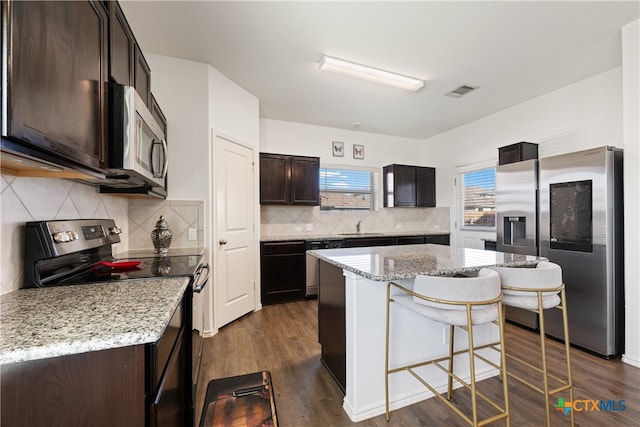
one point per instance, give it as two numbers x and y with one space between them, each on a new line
199 102
631 136
180 87
584 115
309 140
234 111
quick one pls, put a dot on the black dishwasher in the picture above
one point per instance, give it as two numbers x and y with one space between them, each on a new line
282 271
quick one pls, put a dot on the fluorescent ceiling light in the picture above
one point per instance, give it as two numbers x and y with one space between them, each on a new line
328 63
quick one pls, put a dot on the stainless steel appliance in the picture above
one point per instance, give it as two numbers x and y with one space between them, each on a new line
138 153
79 252
137 142
313 264
581 229
517 219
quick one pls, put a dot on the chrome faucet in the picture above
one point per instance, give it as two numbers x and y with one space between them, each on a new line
358 226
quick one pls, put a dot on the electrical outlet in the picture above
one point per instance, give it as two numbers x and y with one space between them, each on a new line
309 227
192 234
297 229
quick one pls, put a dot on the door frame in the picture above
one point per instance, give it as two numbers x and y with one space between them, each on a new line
213 323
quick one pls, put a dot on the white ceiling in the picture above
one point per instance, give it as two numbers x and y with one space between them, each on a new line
513 50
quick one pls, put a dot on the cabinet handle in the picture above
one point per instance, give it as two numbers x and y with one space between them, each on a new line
222 242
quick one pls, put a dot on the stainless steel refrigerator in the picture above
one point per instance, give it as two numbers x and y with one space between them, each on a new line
581 229
517 220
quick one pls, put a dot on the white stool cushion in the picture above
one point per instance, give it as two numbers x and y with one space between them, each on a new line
449 317
486 286
545 275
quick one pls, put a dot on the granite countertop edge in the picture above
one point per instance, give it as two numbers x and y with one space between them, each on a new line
339 236
329 256
42 323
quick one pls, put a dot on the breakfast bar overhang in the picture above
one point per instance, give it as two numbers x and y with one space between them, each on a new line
351 320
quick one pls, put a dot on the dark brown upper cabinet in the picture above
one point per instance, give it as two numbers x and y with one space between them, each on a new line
517 152
127 63
409 186
57 74
289 180
142 77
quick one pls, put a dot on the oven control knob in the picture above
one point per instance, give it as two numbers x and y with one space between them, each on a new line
65 236
115 230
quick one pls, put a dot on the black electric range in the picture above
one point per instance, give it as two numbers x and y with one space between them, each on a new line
66 252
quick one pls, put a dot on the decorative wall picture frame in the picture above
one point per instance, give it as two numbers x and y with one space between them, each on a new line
338 149
358 151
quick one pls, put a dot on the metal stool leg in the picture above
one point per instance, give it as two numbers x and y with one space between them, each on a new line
450 379
545 374
567 349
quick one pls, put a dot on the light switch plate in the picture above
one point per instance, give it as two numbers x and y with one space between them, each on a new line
192 234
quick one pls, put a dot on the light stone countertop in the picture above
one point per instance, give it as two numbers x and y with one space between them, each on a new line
386 263
338 236
39 323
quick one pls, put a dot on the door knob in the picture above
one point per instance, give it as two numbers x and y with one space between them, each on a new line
222 242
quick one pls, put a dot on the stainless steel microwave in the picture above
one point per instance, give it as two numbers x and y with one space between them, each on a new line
137 144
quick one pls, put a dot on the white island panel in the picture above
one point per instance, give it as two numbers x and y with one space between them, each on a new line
413 338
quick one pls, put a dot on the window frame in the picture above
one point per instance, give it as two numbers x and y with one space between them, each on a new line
460 194
375 174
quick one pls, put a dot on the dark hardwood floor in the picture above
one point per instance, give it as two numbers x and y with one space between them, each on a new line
282 339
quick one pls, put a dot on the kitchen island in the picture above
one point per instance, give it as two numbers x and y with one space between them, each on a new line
351 319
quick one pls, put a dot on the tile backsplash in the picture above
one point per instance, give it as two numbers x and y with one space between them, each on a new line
26 199
181 215
294 220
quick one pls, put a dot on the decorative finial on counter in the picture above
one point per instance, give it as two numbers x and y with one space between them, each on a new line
161 237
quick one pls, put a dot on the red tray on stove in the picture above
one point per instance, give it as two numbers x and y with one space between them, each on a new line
115 265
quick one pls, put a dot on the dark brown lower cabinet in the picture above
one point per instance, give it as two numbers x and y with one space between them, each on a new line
362 242
332 333
99 388
439 239
147 385
282 271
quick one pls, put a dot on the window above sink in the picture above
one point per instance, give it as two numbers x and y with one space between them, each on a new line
348 189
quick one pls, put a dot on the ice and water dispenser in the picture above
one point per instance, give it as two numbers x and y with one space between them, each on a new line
514 230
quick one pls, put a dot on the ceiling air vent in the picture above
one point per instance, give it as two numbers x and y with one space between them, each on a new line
462 90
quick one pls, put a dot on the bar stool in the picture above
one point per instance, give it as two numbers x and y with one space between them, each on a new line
536 290
458 302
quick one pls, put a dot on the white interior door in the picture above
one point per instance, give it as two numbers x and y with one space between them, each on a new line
234 267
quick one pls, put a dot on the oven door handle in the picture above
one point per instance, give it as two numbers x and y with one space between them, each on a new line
201 283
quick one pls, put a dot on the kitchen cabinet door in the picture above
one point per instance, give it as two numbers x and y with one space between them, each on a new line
57 72
425 187
142 77
305 181
275 172
121 46
403 184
